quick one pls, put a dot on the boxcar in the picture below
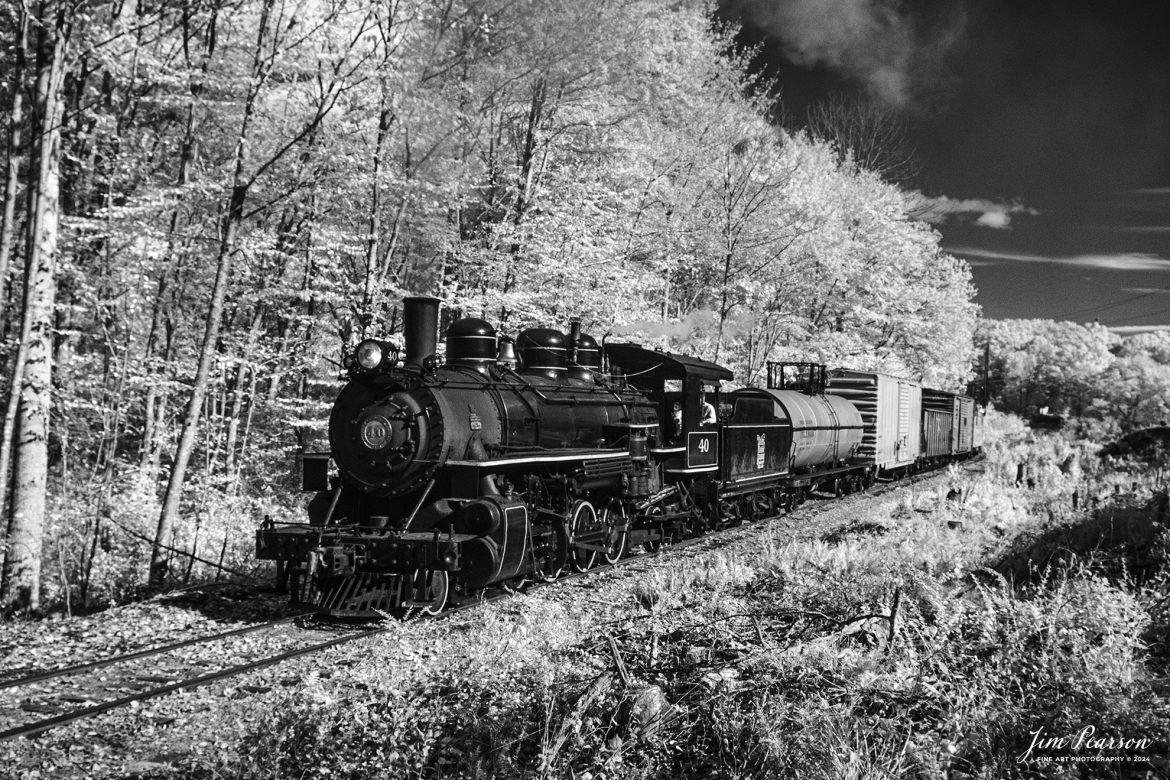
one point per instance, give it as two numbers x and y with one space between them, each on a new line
891 414
977 427
966 419
940 424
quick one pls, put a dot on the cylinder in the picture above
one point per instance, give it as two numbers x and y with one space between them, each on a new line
420 327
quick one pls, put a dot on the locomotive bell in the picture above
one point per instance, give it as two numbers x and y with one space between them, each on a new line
506 353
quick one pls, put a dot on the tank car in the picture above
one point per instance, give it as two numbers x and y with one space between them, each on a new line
788 439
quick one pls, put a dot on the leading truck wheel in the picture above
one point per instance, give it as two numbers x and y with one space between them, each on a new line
430 590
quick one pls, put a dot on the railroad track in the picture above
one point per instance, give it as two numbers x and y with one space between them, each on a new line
45 695
176 666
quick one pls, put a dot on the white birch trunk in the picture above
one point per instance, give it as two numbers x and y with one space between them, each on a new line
20 586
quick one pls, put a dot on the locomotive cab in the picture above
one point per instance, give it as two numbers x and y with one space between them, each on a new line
691 445
679 415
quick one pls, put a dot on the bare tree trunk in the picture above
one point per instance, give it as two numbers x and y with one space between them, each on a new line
114 434
11 174
235 412
156 398
32 395
730 235
156 416
374 218
213 416
227 247
247 424
7 238
539 112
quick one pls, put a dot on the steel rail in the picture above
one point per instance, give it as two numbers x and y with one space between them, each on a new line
36 727
50 674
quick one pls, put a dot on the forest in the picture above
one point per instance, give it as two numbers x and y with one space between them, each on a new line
1108 384
206 203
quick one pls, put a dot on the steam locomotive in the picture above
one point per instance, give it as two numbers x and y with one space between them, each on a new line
516 460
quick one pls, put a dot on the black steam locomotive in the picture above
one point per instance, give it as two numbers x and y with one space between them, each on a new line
513 461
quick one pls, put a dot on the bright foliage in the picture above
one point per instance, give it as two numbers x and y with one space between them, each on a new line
527 162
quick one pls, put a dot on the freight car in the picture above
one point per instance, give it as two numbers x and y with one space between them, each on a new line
892 412
513 461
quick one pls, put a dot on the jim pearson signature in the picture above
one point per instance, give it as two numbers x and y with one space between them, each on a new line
1085 739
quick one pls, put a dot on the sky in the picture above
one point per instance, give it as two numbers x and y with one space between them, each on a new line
1041 128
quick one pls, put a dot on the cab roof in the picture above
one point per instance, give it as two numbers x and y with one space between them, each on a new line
655 364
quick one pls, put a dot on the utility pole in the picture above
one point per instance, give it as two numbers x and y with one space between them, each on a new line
986 373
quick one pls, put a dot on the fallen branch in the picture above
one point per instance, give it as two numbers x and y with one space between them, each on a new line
137 535
760 633
893 617
617 658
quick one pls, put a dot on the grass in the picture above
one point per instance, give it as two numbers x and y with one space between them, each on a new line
931 637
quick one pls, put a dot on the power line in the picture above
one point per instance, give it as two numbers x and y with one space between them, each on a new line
1104 306
1137 317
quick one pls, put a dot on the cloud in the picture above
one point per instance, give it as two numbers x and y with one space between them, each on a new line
1121 261
994 219
873 41
1155 229
992 214
1129 330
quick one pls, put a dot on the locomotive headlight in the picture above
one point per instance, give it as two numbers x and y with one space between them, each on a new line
369 354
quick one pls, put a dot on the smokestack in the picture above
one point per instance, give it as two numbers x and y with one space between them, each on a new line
420 326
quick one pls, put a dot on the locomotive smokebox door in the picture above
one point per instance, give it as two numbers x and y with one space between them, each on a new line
702 449
315 472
